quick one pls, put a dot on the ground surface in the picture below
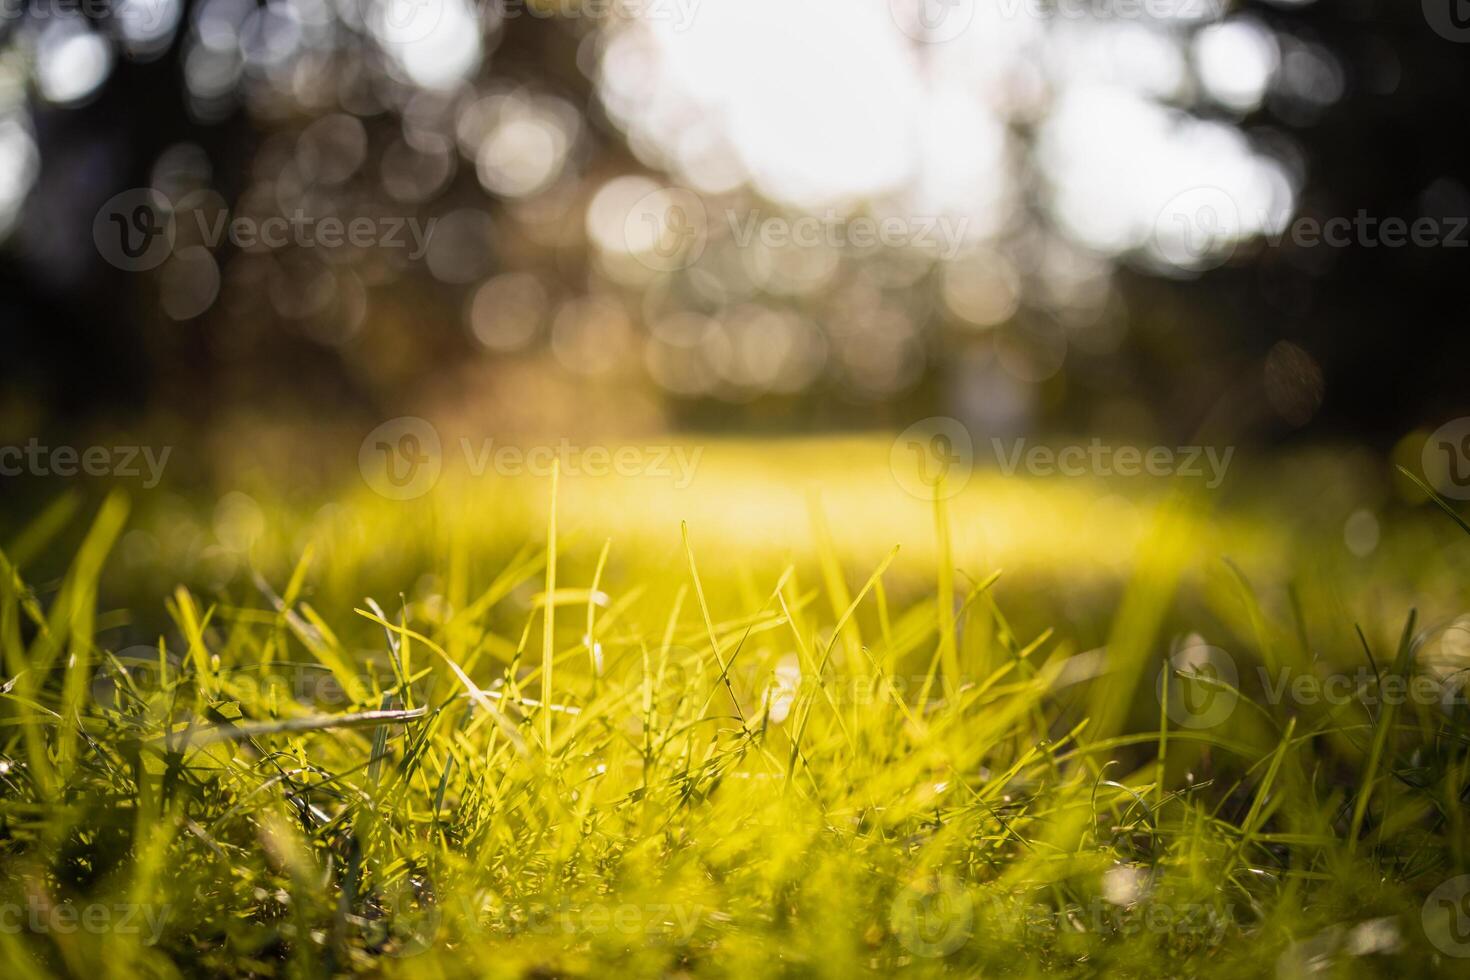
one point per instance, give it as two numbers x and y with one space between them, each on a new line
1068 726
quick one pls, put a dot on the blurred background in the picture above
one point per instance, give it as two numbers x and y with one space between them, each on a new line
284 268
748 216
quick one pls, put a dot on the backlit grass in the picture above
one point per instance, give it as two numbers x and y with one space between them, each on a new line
786 720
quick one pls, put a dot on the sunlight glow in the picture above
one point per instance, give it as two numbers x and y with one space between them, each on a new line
436 44
1236 60
71 62
847 111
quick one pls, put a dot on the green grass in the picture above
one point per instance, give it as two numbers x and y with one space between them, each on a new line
457 736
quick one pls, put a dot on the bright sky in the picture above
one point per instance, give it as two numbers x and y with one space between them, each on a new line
820 103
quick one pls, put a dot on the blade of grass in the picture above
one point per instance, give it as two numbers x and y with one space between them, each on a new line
1381 733
548 638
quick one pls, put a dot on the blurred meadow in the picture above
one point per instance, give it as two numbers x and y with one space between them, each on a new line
544 488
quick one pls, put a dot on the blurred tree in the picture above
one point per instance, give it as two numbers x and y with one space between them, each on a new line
498 134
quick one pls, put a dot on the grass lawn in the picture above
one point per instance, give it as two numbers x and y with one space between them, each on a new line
789 719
